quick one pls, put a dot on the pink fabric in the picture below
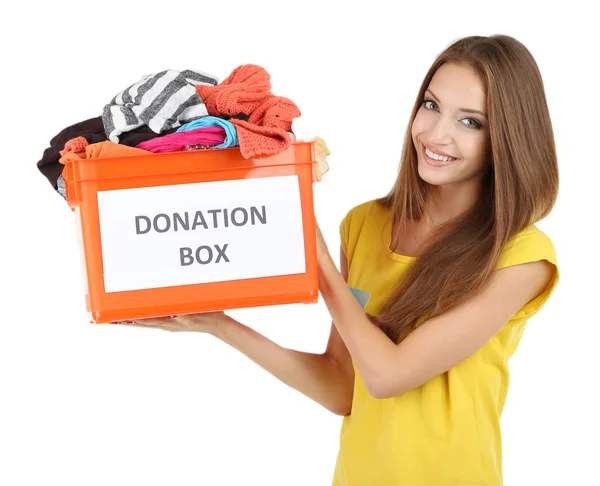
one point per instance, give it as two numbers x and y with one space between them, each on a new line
176 142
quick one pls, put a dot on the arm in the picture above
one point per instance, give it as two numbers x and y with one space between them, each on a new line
390 369
326 378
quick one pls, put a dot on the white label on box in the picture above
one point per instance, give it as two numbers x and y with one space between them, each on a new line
202 232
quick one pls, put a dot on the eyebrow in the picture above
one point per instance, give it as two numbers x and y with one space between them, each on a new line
466 110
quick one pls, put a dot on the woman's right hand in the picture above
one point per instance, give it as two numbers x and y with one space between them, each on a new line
207 322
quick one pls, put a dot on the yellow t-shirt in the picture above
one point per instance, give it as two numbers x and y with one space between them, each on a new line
445 432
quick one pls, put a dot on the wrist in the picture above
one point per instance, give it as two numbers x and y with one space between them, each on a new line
220 328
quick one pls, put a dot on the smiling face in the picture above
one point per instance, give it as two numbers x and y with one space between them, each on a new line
451 131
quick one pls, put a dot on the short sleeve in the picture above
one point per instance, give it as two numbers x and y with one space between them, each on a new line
351 226
529 246
345 232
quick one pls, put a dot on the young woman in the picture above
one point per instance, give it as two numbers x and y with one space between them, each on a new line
449 267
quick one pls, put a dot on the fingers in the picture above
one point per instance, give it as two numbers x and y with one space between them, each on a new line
157 323
196 318
186 322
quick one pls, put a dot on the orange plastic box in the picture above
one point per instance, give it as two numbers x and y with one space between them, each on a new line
185 232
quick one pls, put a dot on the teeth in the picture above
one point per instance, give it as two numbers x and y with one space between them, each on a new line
435 156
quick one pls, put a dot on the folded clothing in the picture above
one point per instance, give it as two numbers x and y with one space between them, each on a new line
231 138
92 130
161 101
104 150
262 120
175 142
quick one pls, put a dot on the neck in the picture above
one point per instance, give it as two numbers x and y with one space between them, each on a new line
446 202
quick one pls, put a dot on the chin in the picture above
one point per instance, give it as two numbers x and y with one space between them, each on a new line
433 177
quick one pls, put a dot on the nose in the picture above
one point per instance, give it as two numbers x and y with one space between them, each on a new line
440 132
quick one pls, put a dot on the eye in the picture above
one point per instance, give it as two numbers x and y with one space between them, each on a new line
428 103
474 123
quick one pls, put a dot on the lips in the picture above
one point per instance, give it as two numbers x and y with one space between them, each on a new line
434 162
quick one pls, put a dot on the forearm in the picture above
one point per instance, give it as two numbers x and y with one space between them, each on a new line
317 376
371 350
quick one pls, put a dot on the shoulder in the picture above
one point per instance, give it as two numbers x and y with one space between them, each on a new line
359 214
355 220
529 245
529 259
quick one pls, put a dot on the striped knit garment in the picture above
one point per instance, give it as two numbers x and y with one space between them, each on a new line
162 101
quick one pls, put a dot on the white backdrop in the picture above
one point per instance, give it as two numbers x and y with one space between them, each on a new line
83 404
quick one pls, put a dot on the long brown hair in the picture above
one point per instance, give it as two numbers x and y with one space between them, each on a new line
519 189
